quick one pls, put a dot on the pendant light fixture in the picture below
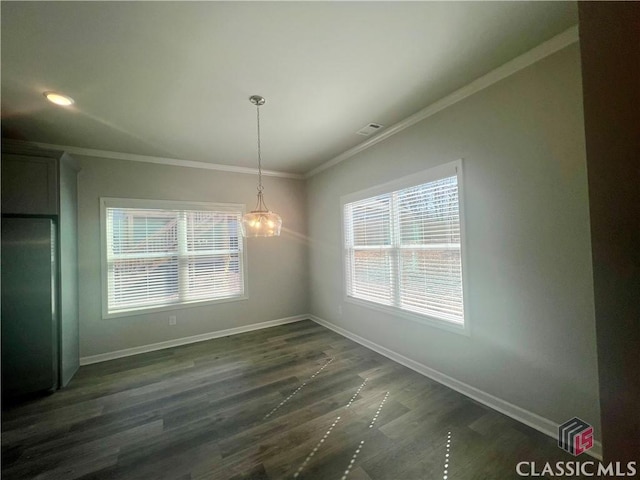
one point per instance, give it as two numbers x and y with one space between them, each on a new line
260 222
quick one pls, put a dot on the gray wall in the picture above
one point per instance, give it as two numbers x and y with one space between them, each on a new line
530 292
277 267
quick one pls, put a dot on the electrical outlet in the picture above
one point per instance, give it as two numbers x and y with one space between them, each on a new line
339 311
172 320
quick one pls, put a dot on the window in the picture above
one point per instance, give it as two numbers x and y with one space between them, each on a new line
157 255
403 246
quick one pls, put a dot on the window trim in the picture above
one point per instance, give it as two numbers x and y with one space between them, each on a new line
111 202
429 175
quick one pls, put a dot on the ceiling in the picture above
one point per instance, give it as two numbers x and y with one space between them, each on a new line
172 79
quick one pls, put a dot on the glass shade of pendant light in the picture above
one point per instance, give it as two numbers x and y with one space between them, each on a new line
260 222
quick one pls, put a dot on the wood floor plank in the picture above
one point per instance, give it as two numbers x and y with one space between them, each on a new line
294 401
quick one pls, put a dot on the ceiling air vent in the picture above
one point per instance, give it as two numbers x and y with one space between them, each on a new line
370 129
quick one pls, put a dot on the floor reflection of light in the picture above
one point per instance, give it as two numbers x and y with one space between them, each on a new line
447 458
315 449
375 417
357 392
353 460
304 384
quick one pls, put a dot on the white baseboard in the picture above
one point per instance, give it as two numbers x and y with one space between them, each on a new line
533 420
103 357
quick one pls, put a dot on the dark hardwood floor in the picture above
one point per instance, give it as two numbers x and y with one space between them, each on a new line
294 401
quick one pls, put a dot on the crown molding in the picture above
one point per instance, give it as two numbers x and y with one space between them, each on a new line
90 152
534 55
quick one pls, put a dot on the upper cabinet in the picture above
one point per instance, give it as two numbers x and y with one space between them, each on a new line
29 184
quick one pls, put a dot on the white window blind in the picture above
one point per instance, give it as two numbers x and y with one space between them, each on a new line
158 257
370 252
403 249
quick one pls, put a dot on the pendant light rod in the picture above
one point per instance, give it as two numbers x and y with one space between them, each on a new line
257 100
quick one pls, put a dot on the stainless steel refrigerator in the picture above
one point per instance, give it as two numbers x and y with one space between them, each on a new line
29 306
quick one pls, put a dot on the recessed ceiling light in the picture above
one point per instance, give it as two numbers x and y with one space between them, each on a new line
59 99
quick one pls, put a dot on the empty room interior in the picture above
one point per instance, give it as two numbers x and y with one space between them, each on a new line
321 240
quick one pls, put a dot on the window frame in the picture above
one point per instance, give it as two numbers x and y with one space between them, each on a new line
112 202
435 173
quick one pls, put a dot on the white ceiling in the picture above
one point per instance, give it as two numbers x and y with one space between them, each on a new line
172 79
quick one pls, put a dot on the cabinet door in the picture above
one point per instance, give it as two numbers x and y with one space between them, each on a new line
29 185
29 323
